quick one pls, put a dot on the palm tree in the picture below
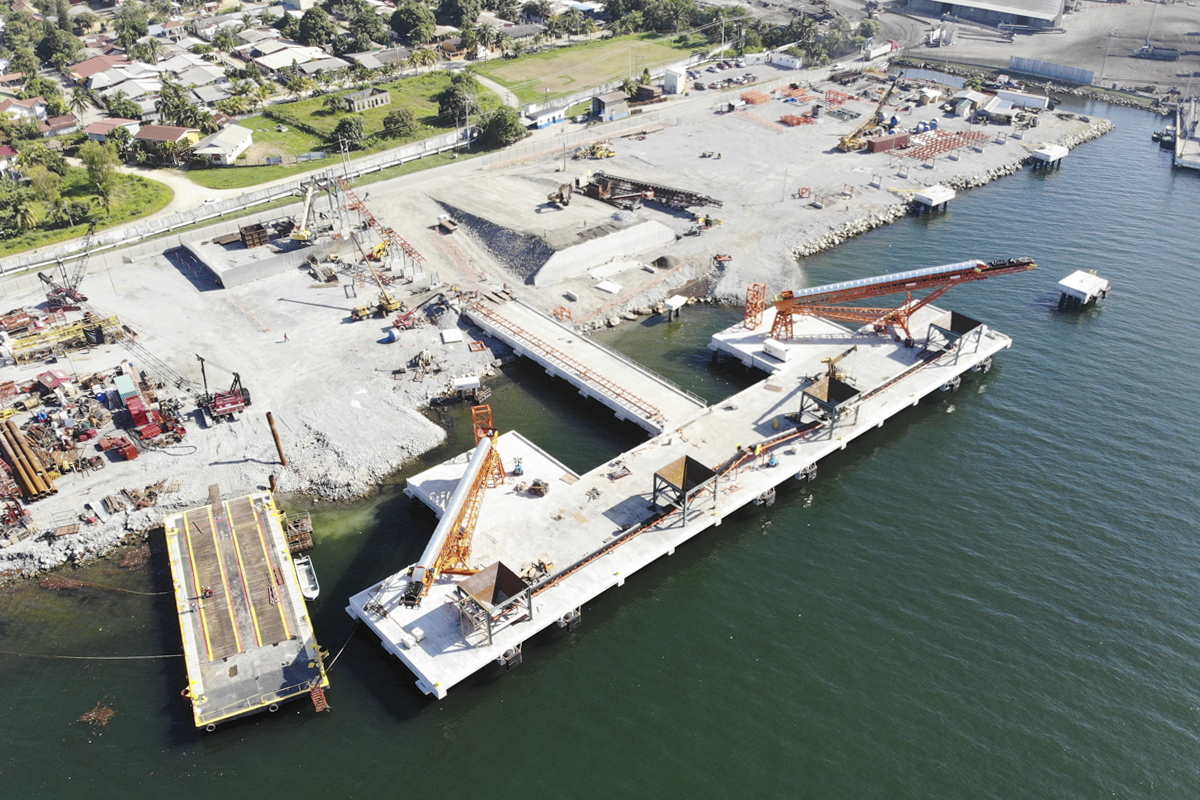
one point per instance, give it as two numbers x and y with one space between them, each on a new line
426 57
589 26
487 38
82 99
261 95
573 22
153 49
23 213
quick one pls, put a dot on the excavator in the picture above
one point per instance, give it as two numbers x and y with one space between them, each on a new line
562 198
384 306
856 139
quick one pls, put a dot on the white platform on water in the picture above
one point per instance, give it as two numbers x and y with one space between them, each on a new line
934 196
1086 287
629 389
591 532
1049 153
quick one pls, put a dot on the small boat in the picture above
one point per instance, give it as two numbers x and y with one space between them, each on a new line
309 586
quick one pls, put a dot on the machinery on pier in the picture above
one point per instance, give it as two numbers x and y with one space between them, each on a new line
450 546
65 295
823 301
856 139
629 192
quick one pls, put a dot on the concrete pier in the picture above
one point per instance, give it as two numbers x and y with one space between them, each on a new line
541 558
629 389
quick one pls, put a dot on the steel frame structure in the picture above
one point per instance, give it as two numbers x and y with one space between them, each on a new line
821 302
353 203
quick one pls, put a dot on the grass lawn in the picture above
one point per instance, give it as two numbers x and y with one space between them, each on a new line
418 94
563 70
137 198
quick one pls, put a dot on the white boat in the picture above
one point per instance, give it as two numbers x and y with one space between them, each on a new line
309 586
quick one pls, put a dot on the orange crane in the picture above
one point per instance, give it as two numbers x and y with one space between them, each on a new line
823 301
450 546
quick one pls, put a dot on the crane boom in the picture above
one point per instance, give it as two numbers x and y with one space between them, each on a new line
450 545
853 140
821 301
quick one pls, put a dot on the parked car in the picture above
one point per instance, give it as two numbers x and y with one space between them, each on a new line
698 85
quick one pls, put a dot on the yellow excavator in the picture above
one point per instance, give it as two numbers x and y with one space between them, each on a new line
562 198
831 365
856 139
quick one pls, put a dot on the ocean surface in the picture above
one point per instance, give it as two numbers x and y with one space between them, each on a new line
997 595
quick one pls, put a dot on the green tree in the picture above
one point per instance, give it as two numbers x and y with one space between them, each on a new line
120 138
82 98
223 40
414 22
316 27
400 124
46 185
369 27
131 24
460 12
101 163
456 102
501 128
83 22
869 28
351 130
23 213
62 13
24 59
58 48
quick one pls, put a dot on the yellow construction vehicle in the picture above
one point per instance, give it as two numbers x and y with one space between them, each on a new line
596 150
302 233
855 140
386 304
380 251
562 198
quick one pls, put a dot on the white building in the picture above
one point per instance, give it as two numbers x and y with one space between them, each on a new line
224 146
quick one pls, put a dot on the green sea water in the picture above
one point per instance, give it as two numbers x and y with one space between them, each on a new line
994 596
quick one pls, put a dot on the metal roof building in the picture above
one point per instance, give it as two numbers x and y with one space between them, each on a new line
1031 13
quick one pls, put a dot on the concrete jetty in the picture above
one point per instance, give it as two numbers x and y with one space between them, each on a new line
542 557
629 389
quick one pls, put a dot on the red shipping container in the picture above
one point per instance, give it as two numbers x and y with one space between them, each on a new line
137 409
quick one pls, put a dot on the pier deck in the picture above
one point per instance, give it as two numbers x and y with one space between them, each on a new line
247 639
632 391
588 535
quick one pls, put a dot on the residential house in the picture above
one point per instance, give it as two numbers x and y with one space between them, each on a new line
366 98
99 131
375 59
33 108
208 27
326 65
12 80
224 146
211 95
202 76
252 35
58 126
153 137
181 62
8 157
172 30
290 55
87 68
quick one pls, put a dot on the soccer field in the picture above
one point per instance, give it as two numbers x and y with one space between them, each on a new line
569 69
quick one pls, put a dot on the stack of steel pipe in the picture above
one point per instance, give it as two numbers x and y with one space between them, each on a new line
27 467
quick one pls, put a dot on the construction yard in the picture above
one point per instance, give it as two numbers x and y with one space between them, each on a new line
716 196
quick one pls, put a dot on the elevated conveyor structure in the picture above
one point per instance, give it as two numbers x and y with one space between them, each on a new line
629 389
821 301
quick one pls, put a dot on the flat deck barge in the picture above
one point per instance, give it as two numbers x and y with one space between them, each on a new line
247 638
541 558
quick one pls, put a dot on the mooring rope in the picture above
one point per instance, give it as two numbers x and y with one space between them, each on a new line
89 658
